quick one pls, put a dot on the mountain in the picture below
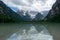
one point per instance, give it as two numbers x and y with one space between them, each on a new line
5 10
44 13
14 8
9 14
30 15
27 17
38 17
3 17
24 15
54 13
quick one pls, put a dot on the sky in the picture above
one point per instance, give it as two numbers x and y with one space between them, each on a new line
34 5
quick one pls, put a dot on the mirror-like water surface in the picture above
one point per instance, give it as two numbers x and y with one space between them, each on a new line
29 31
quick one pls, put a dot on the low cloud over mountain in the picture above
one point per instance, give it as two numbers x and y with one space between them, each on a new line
35 5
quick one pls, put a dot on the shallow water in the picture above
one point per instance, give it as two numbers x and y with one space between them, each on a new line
29 31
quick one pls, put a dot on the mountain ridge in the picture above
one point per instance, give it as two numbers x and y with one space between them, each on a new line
54 13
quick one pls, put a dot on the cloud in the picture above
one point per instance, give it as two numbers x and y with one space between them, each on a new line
34 5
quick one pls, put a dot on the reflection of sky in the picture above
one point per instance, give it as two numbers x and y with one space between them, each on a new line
31 32
35 5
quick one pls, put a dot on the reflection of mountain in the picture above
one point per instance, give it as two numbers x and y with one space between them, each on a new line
31 32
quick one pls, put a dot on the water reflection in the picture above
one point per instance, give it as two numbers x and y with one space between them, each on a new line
31 32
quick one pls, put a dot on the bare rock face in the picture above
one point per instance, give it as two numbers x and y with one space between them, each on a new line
54 13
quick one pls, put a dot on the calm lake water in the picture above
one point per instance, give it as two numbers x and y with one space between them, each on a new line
10 31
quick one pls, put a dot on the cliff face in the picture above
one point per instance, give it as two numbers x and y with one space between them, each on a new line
6 13
54 13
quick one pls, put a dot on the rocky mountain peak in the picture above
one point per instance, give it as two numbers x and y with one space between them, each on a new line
54 13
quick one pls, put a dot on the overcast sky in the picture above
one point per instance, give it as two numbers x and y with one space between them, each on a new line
34 5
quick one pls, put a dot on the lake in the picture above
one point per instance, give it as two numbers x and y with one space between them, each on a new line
29 31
